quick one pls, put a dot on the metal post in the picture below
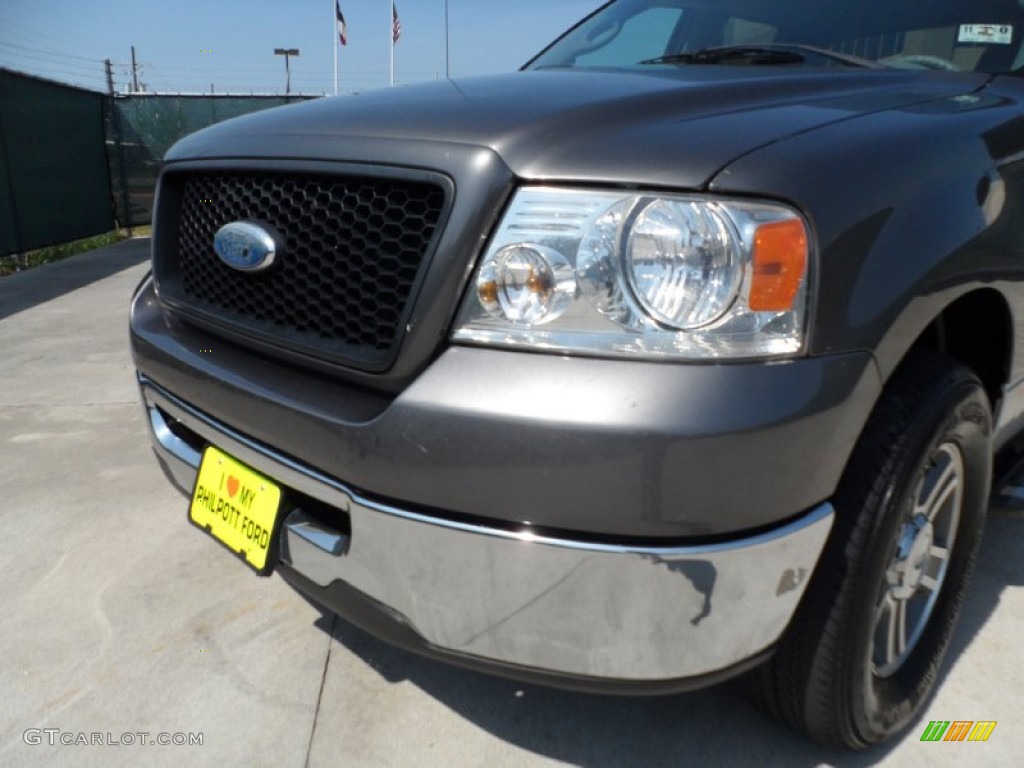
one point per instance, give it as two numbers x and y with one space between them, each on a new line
117 139
334 36
447 57
135 73
287 53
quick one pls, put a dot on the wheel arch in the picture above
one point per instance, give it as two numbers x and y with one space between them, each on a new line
977 330
974 328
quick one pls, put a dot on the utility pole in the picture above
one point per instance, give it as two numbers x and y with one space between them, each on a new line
135 73
287 53
117 137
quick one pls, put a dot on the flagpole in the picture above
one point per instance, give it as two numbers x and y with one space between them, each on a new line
391 27
334 37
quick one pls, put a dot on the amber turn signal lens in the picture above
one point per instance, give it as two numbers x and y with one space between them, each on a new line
780 263
488 291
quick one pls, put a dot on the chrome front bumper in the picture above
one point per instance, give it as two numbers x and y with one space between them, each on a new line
561 606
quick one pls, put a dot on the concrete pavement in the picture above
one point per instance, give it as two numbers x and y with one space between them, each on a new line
117 617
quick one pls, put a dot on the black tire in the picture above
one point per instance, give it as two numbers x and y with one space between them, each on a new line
840 673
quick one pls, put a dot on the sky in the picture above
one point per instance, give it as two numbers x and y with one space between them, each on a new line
187 46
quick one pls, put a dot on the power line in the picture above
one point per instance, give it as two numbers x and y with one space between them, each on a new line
66 78
53 72
45 62
160 81
53 53
155 77
36 57
21 30
217 71
213 68
51 62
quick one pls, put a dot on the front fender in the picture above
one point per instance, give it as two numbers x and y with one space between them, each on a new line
911 209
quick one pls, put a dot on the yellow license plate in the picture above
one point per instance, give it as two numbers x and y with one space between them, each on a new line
236 505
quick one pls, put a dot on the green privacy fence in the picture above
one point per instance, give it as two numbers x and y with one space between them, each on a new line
74 163
142 127
54 179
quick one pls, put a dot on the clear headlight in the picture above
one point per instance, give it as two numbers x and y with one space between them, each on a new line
644 275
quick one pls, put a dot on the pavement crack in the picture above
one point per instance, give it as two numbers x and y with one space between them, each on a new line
320 694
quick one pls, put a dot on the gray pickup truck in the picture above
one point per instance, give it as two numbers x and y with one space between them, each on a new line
685 352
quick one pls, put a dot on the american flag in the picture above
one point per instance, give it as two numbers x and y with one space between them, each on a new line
396 25
342 29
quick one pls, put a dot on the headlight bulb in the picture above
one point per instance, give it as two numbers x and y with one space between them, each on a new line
526 284
683 263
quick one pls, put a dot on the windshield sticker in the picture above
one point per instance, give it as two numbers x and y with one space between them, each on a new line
993 34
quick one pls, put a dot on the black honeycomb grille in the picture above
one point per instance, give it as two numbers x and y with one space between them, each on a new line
354 248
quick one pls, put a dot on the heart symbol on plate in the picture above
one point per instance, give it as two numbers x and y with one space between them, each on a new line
233 484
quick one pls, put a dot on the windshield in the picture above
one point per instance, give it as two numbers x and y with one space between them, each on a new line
951 35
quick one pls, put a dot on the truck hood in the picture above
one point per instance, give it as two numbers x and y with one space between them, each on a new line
672 126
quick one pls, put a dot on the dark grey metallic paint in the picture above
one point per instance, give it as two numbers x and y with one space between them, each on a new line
605 448
602 447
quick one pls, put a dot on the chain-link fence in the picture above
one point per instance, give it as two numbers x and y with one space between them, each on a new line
74 163
142 127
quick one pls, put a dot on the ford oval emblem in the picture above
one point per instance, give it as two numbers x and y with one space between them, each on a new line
249 246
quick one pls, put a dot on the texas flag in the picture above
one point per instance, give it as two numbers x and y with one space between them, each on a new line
342 29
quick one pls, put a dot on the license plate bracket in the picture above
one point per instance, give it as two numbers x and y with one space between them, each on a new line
238 507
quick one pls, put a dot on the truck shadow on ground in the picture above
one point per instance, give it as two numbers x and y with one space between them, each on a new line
716 726
41 284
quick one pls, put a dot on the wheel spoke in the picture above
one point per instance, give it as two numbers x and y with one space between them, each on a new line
891 620
899 630
894 575
951 488
938 556
888 651
945 485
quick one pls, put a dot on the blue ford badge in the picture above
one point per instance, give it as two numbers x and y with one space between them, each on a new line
250 246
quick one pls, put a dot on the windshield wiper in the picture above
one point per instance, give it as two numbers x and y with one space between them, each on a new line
781 53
